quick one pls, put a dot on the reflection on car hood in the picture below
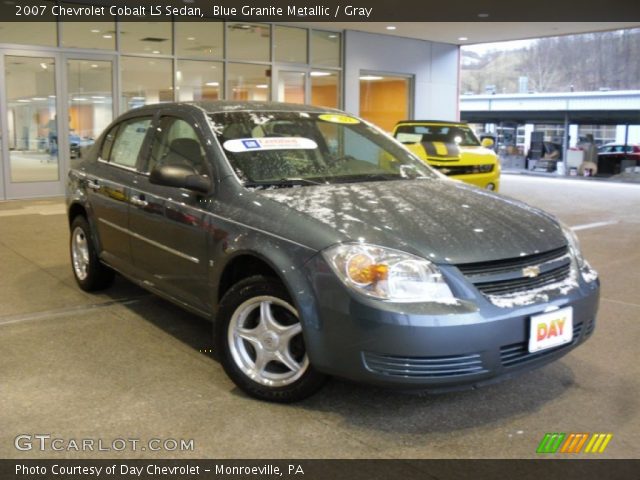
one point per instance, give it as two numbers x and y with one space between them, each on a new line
446 221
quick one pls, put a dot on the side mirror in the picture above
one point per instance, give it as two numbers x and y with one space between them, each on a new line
487 142
179 177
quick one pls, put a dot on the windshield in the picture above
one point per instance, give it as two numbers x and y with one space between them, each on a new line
459 135
299 148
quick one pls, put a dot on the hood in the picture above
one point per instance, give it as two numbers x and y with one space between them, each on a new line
443 220
451 152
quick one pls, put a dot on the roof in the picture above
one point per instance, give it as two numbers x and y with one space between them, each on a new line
616 107
231 106
432 122
234 105
225 105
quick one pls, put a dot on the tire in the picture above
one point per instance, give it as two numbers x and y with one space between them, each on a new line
259 336
89 272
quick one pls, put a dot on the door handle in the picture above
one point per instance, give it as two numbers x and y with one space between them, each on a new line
139 201
93 185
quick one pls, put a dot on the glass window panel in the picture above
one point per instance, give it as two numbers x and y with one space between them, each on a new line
195 39
384 100
101 35
197 80
31 33
90 102
92 32
291 86
248 82
176 143
290 44
128 141
31 119
325 88
152 38
325 48
145 80
248 41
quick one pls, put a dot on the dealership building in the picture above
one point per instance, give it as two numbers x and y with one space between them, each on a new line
89 73
62 83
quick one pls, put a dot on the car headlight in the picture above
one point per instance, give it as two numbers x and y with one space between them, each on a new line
588 273
388 274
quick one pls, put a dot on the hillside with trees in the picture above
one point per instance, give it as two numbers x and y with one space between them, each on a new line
589 62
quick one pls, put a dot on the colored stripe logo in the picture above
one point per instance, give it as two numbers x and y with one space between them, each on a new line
574 443
441 150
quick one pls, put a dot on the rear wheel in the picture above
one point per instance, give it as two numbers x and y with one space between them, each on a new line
259 335
89 272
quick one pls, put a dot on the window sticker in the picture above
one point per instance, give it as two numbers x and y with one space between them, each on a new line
238 145
336 118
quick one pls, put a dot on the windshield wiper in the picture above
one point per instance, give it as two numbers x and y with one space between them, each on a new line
283 182
366 177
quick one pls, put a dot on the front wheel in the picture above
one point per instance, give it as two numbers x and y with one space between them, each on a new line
259 335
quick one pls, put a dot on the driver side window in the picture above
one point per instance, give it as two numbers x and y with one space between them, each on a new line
176 143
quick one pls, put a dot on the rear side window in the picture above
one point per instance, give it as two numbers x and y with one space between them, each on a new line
128 141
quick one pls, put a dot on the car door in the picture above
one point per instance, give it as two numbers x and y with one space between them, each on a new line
109 181
168 224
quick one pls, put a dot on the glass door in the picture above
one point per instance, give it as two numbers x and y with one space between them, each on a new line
52 107
89 102
29 112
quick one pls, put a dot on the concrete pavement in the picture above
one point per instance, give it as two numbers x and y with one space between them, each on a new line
126 364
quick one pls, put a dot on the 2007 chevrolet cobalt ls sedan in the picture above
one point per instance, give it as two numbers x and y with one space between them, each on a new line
318 245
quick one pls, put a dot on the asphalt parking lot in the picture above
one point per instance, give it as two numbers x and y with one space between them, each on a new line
126 364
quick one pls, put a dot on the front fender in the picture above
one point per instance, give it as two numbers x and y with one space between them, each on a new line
285 258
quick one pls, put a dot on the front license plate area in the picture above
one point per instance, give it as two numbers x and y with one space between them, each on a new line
550 330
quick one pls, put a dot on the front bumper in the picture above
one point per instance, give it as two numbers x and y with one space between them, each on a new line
462 170
482 180
433 347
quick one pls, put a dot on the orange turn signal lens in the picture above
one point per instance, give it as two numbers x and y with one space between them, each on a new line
362 270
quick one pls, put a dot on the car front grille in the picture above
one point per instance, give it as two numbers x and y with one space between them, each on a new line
517 275
506 287
499 266
518 353
424 367
463 169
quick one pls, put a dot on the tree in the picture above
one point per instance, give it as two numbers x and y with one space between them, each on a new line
541 64
584 62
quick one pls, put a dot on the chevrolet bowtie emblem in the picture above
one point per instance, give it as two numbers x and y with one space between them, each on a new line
531 272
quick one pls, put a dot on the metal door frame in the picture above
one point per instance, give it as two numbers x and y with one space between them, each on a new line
29 189
11 190
64 111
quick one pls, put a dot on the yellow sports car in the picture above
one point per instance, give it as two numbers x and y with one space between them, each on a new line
453 149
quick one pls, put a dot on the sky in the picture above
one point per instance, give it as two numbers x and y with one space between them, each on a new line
482 48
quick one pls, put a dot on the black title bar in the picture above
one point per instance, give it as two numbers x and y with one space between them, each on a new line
323 10
547 469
